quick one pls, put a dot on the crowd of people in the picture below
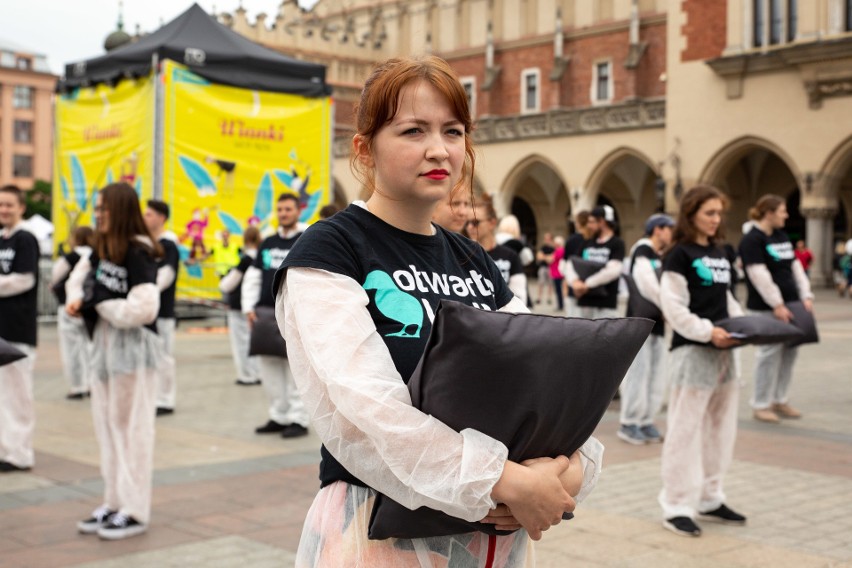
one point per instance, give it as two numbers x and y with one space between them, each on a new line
413 152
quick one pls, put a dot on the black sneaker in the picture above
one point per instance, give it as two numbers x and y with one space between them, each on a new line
164 411
684 526
723 515
243 383
77 395
9 467
98 519
120 526
271 427
294 431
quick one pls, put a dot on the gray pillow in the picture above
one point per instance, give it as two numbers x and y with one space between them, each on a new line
637 304
804 320
9 353
265 336
540 384
584 269
759 330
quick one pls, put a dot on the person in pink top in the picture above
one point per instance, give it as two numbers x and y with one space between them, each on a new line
556 275
804 254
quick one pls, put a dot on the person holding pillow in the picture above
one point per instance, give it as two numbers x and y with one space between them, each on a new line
773 277
702 410
355 301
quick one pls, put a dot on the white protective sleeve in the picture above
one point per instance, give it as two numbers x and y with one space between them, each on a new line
526 255
362 411
803 284
74 284
518 286
165 277
761 279
735 310
250 292
674 293
230 281
58 271
569 272
16 283
139 308
646 280
611 271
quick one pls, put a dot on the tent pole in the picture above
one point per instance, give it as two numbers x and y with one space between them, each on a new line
157 142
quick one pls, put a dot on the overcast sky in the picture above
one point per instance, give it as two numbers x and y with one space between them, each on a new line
71 30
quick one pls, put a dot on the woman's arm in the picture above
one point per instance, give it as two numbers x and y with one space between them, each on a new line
230 281
762 281
518 286
646 280
139 308
674 294
59 270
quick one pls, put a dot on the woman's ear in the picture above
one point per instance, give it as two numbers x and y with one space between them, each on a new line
362 151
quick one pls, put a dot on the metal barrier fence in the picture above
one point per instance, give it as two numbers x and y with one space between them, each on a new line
47 304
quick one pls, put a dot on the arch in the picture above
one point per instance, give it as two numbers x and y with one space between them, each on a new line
836 167
736 150
626 178
537 182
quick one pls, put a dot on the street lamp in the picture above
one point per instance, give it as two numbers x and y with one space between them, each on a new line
660 192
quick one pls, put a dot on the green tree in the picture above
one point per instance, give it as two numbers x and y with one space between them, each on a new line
38 199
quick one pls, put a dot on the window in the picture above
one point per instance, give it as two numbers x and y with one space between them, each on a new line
24 63
848 26
22 97
758 18
23 132
530 91
469 84
602 82
775 22
793 19
22 166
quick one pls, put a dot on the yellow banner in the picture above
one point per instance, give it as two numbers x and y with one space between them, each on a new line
228 154
103 134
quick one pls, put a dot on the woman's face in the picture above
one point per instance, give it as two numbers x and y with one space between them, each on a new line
101 215
11 210
480 228
419 154
452 213
778 218
708 217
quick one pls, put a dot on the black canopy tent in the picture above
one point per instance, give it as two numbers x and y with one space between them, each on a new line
208 49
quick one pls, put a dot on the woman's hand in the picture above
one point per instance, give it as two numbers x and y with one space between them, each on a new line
781 312
809 305
571 478
722 339
534 494
73 308
579 288
502 519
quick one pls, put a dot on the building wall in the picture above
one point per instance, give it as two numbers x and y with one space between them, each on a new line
41 116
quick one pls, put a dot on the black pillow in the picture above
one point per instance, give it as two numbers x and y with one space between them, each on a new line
637 305
759 330
265 336
540 384
804 320
9 353
584 269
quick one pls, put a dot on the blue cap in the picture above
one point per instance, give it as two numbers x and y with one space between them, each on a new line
658 220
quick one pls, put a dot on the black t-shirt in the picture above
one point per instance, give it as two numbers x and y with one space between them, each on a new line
646 251
18 313
72 258
545 250
573 246
114 281
708 275
405 275
507 261
235 296
171 257
272 252
776 252
612 249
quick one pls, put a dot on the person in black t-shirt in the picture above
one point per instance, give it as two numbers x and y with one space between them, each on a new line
156 215
453 212
573 247
702 410
18 292
116 293
355 300
644 385
481 228
287 414
774 277
606 249
248 372
73 344
544 257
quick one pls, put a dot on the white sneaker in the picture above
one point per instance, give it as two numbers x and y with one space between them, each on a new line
120 526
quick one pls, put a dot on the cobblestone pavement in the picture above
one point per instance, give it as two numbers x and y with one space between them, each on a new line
226 497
